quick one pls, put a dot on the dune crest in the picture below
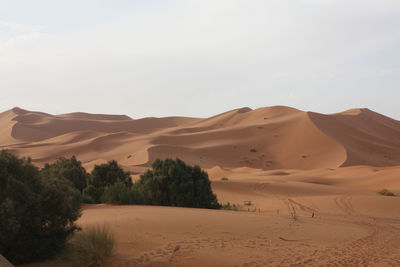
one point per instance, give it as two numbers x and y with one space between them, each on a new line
267 138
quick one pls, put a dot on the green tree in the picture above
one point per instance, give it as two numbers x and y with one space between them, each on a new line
173 183
106 175
36 215
70 169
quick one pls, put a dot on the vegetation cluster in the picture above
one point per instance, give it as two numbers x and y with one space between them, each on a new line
39 207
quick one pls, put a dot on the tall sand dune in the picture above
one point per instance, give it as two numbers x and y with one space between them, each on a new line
266 138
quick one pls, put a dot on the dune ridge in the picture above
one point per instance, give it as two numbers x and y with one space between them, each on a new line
267 138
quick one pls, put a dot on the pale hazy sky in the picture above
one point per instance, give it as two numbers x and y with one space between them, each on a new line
199 58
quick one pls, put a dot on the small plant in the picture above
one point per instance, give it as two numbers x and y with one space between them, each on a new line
253 150
228 206
247 203
292 212
90 248
224 179
386 192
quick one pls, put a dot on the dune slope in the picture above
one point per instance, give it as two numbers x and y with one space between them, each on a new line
266 138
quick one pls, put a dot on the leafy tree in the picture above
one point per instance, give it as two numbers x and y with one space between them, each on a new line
36 215
106 175
173 183
70 169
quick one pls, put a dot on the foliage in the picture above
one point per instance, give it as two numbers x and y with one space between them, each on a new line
386 192
173 183
224 179
228 206
91 247
253 150
70 169
119 193
87 199
36 215
93 193
236 207
106 175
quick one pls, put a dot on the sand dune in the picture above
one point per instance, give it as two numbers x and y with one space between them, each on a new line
324 168
280 138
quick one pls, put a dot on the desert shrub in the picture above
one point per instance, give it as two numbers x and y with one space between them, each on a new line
70 169
94 193
173 183
36 215
103 176
224 179
108 174
228 206
386 192
87 199
253 150
90 248
119 193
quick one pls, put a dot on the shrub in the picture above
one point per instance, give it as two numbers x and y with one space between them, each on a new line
94 193
228 206
253 150
87 199
90 248
386 192
36 215
103 176
119 193
224 179
173 183
108 174
70 169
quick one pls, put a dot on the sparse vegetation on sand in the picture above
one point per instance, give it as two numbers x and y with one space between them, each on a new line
386 192
91 247
253 150
236 207
224 179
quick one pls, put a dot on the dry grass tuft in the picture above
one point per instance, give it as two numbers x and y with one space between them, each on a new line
90 248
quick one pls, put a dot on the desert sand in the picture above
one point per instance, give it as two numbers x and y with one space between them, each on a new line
311 179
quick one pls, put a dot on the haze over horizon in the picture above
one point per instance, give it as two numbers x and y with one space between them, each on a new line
199 58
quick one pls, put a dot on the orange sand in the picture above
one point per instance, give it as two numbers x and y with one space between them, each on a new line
305 163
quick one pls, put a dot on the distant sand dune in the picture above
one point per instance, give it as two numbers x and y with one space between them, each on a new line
266 138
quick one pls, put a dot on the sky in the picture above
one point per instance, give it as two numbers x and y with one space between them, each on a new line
199 57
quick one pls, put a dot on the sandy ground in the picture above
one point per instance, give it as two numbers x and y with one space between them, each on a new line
311 180
350 227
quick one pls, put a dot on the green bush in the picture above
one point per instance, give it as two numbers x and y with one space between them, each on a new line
224 179
87 199
386 192
70 169
103 176
94 193
90 248
119 193
108 174
36 215
253 150
228 206
173 183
